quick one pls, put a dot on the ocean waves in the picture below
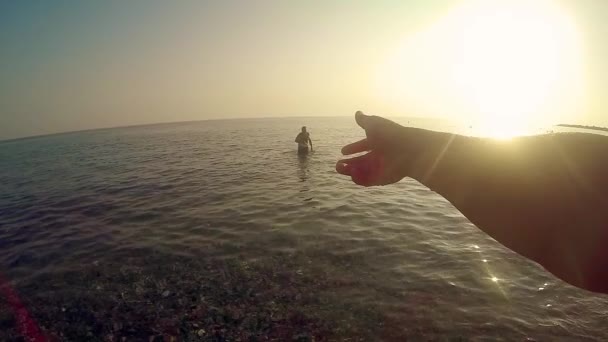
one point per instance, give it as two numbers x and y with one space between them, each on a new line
198 201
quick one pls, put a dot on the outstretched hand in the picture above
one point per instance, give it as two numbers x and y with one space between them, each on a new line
547 213
389 154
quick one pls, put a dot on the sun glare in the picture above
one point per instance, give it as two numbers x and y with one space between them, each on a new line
501 129
501 66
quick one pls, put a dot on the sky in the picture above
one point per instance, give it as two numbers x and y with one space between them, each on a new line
72 65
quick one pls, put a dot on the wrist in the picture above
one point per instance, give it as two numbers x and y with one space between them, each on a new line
432 152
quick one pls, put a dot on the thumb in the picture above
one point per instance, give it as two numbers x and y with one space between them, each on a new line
372 123
362 119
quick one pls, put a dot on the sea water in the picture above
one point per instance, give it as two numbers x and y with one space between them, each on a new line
219 230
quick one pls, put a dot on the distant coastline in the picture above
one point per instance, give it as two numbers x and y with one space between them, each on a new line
594 128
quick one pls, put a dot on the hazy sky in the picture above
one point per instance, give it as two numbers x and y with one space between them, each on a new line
69 65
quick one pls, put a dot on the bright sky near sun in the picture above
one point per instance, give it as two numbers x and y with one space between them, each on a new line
70 65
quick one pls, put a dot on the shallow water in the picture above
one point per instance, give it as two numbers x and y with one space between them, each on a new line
136 231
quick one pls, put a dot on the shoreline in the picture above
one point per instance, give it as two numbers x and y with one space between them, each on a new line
592 128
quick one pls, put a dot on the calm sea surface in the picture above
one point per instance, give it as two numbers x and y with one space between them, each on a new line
217 230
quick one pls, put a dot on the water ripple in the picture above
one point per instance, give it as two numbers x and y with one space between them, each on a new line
400 260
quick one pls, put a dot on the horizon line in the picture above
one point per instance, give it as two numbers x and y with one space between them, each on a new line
187 121
244 118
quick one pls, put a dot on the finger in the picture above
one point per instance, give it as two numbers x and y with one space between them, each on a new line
361 119
355 160
346 166
362 169
366 170
343 168
361 176
358 174
356 147
374 124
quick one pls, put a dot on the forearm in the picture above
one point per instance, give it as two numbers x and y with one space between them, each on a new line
540 196
476 176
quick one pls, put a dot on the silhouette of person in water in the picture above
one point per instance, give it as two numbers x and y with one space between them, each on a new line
544 197
303 139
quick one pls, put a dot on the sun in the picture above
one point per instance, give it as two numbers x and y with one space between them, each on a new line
502 66
501 129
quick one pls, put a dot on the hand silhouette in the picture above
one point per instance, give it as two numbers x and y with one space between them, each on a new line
390 148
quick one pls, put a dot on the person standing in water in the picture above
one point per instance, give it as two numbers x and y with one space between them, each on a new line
303 139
